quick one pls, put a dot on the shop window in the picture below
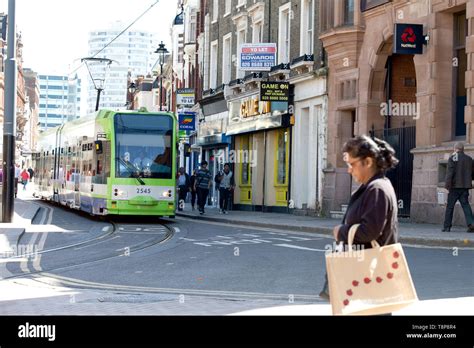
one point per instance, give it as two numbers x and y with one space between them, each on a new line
282 157
245 169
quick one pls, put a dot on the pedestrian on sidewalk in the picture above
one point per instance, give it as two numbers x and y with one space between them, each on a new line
183 187
226 185
192 181
374 204
202 185
31 172
458 182
25 176
17 178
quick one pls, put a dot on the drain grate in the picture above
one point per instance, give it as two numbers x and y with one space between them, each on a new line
137 298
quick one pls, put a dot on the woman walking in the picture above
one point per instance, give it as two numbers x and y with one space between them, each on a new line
374 204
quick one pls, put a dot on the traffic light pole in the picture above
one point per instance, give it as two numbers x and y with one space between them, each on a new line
9 124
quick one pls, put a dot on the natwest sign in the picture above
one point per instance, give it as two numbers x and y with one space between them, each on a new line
409 39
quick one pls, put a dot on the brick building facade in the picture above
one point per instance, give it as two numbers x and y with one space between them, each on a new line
365 73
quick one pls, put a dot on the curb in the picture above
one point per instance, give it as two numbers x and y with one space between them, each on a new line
31 212
414 241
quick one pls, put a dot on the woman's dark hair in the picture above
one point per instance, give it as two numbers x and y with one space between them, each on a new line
364 146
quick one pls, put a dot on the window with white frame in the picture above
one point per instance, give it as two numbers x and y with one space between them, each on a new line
228 7
257 32
227 58
307 27
240 41
284 34
213 65
191 29
215 10
241 2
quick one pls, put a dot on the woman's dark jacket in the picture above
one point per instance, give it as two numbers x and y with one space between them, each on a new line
374 207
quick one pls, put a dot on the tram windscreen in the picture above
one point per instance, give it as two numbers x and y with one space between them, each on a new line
143 146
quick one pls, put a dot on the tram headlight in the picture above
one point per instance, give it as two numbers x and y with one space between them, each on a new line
168 194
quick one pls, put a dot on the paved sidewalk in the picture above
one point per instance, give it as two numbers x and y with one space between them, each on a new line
410 233
24 212
29 297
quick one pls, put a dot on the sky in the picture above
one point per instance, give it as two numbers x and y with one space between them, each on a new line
55 32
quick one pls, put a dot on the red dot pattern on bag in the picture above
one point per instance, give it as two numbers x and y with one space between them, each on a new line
367 280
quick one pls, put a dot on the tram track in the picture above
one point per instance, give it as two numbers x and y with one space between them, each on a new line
110 234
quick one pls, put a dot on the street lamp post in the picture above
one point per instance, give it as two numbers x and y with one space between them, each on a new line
162 51
99 82
132 87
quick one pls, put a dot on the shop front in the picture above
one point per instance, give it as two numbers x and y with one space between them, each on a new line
261 153
211 139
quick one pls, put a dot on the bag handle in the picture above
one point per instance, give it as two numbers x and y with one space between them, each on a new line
351 235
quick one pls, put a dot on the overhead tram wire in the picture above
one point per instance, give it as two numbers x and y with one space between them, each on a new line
118 35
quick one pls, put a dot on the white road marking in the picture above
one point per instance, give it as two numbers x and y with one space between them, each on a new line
176 229
24 265
188 239
50 217
299 247
105 229
224 237
37 259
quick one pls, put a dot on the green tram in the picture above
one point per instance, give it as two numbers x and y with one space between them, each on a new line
111 163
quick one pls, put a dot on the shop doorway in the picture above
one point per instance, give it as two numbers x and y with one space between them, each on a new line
400 111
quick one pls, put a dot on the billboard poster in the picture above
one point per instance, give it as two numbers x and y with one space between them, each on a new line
274 91
185 96
257 57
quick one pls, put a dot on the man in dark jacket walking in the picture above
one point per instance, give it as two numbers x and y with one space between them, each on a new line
458 182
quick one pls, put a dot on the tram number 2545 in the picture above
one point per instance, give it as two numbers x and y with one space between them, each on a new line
143 190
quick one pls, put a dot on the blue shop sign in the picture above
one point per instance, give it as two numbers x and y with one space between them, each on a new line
187 121
409 39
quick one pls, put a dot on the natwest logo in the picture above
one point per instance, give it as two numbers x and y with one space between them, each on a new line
408 38
409 35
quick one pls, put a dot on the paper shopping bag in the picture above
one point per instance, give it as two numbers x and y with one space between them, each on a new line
369 282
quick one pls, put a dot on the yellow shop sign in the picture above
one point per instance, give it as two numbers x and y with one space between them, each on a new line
253 107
